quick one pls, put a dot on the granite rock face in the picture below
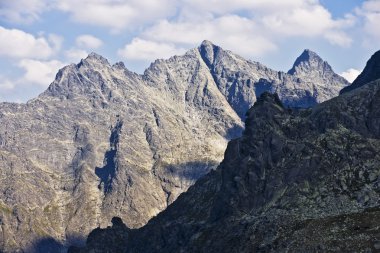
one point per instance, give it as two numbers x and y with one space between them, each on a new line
309 67
103 141
310 81
298 180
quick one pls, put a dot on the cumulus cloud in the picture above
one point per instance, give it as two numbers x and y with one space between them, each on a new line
303 18
221 7
56 41
231 32
19 44
6 84
307 18
253 34
140 49
116 14
75 55
39 72
338 38
22 11
88 41
370 13
351 74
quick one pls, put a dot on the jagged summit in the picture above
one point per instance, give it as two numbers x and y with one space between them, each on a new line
115 143
370 73
85 78
94 58
308 54
296 181
309 60
318 74
207 43
208 51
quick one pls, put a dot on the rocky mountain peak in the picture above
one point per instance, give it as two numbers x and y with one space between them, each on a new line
178 115
296 181
119 65
208 51
309 54
207 43
370 73
85 78
94 60
307 61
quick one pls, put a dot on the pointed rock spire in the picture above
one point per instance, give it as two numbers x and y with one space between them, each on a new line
94 58
207 50
309 60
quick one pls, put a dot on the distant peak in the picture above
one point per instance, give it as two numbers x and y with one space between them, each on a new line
96 58
309 52
307 60
307 55
208 50
207 43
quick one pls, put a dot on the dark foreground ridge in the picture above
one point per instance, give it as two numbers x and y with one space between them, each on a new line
371 72
296 181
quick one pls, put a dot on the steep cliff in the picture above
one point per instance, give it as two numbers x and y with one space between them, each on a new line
103 141
298 180
370 73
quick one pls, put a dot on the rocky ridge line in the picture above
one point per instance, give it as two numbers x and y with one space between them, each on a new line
298 180
103 141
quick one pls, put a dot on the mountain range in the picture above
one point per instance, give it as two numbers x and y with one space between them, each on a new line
103 141
297 180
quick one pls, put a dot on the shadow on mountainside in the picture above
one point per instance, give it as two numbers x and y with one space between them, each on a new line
46 245
189 171
108 171
234 132
51 245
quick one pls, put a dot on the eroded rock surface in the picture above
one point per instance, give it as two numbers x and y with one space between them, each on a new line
103 141
298 180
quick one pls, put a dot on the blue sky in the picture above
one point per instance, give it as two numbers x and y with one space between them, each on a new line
37 37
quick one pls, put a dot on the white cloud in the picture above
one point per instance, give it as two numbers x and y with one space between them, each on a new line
117 14
19 44
55 41
253 34
308 21
231 32
338 38
220 7
22 11
39 72
302 18
75 55
88 41
351 74
370 13
114 14
140 49
6 84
